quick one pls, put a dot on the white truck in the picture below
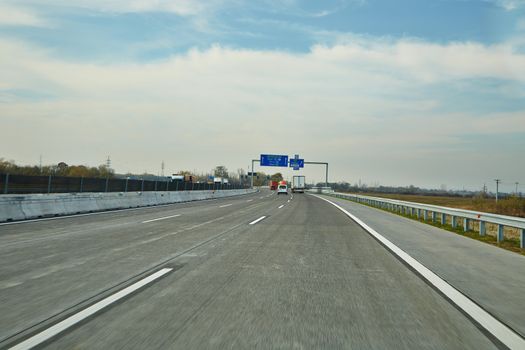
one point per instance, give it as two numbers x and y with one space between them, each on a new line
298 184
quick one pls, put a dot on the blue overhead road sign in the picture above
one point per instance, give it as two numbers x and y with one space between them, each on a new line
296 163
274 160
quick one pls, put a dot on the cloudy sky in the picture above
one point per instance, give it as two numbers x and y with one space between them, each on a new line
394 92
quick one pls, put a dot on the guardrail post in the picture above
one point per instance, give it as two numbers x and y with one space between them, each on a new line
500 233
522 238
418 213
466 224
443 219
434 216
482 228
454 221
425 215
49 184
6 185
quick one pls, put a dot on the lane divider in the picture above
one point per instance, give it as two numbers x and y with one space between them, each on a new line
256 221
82 315
249 200
225 205
163 218
499 330
281 206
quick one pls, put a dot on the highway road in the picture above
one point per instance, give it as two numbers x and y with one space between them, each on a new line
255 271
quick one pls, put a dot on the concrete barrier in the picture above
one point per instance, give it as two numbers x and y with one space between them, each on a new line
31 206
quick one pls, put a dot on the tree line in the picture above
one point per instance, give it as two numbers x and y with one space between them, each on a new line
60 169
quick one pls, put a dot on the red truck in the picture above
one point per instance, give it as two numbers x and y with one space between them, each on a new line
273 185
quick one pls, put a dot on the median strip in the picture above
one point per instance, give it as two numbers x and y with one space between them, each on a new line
82 315
256 221
163 218
496 328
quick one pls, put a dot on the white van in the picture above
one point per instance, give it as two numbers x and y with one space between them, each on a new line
282 189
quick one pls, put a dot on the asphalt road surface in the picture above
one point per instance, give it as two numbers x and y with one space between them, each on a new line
303 277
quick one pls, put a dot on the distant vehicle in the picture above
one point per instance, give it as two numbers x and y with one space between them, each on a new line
282 188
187 178
220 180
176 177
273 185
298 184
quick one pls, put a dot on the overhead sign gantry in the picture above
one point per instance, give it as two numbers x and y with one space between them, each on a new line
277 160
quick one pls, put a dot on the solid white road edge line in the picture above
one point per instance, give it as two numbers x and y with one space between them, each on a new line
76 318
281 206
504 334
256 221
163 218
225 205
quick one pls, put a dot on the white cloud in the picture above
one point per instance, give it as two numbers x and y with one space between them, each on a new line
358 99
17 16
509 5
179 7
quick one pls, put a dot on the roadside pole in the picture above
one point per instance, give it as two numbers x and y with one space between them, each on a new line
251 177
326 171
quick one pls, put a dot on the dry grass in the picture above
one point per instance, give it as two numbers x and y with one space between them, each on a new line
513 206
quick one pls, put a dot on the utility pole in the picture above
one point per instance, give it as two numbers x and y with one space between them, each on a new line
497 188
517 183
108 166
40 164
162 168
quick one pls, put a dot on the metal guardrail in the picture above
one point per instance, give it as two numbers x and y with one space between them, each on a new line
433 211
